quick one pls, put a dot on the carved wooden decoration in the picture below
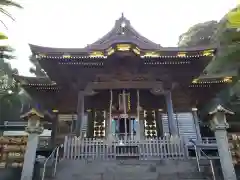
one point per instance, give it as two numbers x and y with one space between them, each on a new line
150 124
99 124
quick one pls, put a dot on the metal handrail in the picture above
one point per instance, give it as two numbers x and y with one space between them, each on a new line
206 156
55 150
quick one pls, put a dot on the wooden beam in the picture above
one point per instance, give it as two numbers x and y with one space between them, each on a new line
124 85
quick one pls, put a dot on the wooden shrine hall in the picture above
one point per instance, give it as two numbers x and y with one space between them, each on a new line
123 86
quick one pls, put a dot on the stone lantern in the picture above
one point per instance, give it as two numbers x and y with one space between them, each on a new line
219 125
34 129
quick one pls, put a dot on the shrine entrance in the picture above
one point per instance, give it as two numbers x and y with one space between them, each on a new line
124 127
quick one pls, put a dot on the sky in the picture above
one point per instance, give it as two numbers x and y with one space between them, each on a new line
76 23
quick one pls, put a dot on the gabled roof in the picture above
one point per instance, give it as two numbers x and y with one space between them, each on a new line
123 32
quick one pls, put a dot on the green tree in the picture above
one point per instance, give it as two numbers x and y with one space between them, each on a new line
226 60
10 96
227 39
198 35
10 102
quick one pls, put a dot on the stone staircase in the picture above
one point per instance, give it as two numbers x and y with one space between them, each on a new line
205 167
128 170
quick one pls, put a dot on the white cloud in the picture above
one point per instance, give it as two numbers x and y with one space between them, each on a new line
76 23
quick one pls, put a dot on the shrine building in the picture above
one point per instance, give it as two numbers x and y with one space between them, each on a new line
124 86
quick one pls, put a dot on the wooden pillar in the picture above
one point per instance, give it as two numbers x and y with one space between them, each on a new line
80 112
90 123
171 121
109 127
138 128
54 130
159 122
125 113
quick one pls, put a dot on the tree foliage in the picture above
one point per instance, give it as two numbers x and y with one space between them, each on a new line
227 39
10 100
198 35
225 35
12 97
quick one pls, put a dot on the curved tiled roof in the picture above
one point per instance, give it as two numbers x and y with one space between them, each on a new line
42 49
122 32
24 80
125 33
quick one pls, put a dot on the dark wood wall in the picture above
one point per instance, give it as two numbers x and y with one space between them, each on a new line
147 100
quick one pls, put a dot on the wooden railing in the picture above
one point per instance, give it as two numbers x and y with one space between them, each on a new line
159 148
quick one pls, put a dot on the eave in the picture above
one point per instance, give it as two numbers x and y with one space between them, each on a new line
64 69
46 96
24 80
213 80
86 52
99 85
65 101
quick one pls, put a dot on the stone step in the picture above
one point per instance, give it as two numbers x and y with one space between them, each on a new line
136 176
128 170
193 175
118 176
